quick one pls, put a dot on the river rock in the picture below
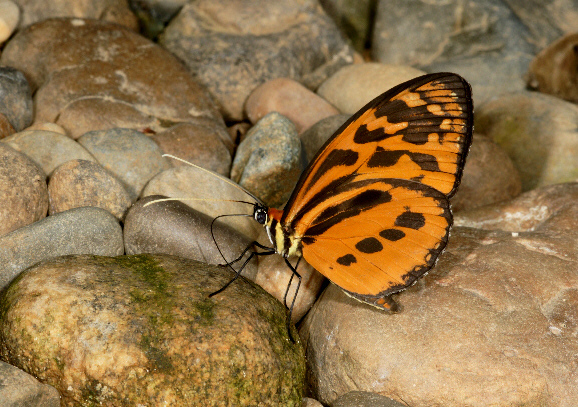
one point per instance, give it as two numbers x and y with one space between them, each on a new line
23 190
233 47
268 162
76 231
78 183
48 149
93 75
141 330
492 324
128 154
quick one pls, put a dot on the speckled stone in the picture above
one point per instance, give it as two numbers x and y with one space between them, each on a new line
268 162
232 47
141 330
78 183
23 191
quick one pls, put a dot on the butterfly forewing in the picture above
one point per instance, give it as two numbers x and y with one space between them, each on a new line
419 130
371 211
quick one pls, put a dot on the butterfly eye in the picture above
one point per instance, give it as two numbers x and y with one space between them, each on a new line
260 215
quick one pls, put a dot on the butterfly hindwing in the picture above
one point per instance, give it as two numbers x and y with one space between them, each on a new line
377 235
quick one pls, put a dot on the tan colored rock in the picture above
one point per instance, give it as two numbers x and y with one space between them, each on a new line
555 69
9 16
539 134
114 11
492 324
293 100
140 330
353 86
78 183
207 146
47 149
489 176
93 75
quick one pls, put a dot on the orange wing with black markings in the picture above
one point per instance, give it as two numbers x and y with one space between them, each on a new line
371 212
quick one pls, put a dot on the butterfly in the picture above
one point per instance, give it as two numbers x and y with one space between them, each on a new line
371 212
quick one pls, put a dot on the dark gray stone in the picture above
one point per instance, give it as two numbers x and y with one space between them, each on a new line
174 228
15 98
77 231
489 42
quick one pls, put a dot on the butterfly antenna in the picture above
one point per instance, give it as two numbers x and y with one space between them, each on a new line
222 178
199 199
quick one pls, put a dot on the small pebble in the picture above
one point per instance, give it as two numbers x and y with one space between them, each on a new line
23 190
291 99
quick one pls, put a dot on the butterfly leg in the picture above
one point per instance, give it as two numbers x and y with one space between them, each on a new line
290 308
268 251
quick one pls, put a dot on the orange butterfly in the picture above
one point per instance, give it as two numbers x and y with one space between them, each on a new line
371 211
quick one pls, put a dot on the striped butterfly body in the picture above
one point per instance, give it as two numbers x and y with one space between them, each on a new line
371 212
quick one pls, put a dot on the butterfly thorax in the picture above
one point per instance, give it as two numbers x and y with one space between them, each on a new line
283 240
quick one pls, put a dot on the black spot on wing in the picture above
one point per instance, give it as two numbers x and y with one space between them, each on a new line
347 260
369 245
393 235
389 158
411 220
